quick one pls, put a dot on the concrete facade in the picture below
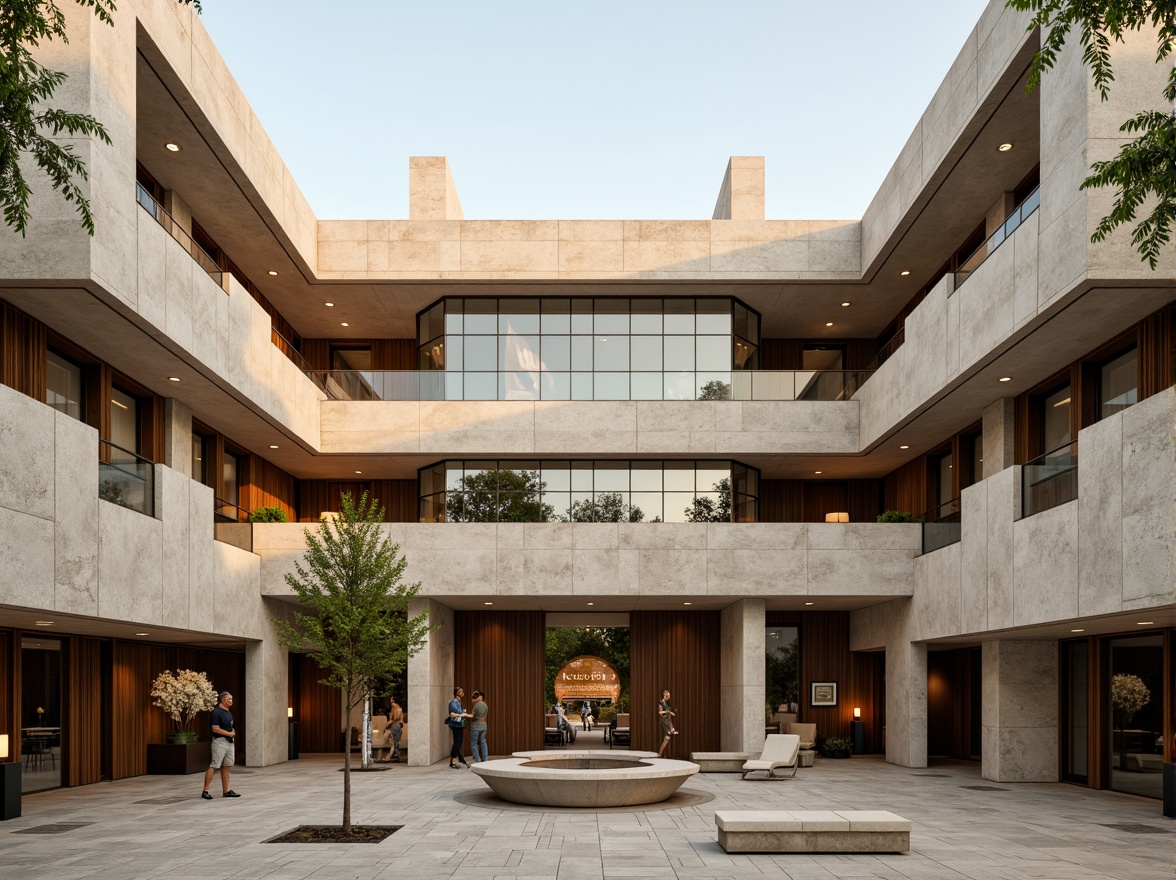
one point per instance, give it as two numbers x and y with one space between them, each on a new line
1013 586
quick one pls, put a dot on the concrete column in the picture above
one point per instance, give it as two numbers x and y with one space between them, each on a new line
177 436
267 667
741 676
430 687
998 421
906 703
1020 715
741 196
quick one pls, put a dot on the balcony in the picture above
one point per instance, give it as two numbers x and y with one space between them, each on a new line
739 385
230 524
1015 219
171 227
941 526
126 479
1049 480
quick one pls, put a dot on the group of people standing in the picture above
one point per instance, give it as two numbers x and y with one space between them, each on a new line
457 724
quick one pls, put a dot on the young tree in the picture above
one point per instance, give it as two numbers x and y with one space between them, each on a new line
28 125
1145 167
353 619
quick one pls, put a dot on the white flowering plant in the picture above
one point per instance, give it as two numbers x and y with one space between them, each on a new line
1128 695
182 695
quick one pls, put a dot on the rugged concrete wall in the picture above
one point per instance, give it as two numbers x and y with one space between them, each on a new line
742 676
430 687
1020 711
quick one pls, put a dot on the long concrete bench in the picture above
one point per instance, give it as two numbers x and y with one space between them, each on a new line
812 831
721 762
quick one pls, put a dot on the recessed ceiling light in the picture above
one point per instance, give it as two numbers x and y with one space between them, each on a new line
1005 379
487 603
591 603
687 603
172 148
1077 630
173 378
905 272
142 634
1004 148
359 472
808 603
843 305
1144 622
345 324
828 323
273 446
44 623
816 472
272 272
329 305
904 447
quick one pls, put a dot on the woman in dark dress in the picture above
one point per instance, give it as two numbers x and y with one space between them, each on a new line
665 715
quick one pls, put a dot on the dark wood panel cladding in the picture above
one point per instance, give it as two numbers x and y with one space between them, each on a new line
1157 352
865 500
678 651
906 487
82 727
824 496
9 682
398 497
317 353
788 354
809 500
868 671
318 709
22 352
267 485
134 667
387 354
953 703
781 501
825 656
501 653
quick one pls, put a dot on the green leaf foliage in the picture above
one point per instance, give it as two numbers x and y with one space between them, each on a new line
269 514
499 496
704 508
896 516
29 126
1144 171
353 618
606 507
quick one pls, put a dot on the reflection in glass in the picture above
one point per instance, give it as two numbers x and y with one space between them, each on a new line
1055 420
40 713
1118 384
782 673
588 491
63 385
1136 709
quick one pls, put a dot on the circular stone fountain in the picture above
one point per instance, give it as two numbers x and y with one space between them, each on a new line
585 779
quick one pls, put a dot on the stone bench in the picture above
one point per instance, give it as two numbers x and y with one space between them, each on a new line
812 831
721 762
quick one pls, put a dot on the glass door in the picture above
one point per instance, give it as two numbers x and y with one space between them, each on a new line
1136 707
40 713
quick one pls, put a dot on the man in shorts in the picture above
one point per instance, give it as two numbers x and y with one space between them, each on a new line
223 740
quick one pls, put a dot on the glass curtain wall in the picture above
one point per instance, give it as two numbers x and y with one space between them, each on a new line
1136 707
1118 384
63 385
589 491
604 348
782 673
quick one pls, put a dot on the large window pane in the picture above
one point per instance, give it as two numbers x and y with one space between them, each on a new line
679 353
645 386
611 353
518 352
481 315
714 316
646 315
1135 707
518 315
782 673
612 316
646 353
63 385
555 386
481 353
1055 420
557 353
714 353
556 316
1118 385
611 386
679 315
582 353
124 421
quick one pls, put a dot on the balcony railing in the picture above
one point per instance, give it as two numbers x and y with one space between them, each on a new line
1050 480
884 353
171 227
125 479
997 238
452 385
941 526
282 344
230 525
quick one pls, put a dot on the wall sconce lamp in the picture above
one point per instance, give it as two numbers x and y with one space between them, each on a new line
857 713
3 745
836 517
289 711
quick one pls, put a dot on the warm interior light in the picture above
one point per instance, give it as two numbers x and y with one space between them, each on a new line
329 305
1061 403
142 634
173 378
816 472
487 603
359 472
272 272
905 272
839 517
687 603
1144 622
329 516
591 603
808 603
828 323
1004 148
119 405
289 711
857 713
345 324
44 623
843 305
1077 630
172 148
1005 379
273 446
3 745
904 447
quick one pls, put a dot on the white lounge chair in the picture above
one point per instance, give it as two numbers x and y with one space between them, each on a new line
780 750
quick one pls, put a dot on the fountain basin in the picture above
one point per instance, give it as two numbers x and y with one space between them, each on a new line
585 779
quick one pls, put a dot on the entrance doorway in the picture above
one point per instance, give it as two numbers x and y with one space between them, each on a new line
40 712
1135 706
586 687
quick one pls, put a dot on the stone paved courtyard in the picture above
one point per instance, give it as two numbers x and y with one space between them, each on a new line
154 826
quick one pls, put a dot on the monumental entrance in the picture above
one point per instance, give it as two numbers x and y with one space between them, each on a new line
587 678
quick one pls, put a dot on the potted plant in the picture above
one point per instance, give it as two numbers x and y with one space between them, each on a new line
269 514
1128 695
896 516
836 747
182 695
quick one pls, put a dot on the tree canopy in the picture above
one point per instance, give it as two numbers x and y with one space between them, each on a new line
607 507
499 496
712 508
1144 171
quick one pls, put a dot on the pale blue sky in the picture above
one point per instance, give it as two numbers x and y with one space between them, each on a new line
590 110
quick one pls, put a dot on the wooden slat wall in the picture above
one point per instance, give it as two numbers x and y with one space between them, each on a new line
81 755
906 487
825 656
810 500
318 709
1157 353
824 496
868 671
678 651
398 497
317 353
268 485
781 501
22 352
135 666
949 704
387 354
226 671
502 654
788 354
312 500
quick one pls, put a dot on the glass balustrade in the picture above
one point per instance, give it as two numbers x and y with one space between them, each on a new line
1007 228
538 385
1050 480
171 227
125 479
941 526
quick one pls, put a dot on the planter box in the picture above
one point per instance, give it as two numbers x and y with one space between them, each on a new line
178 759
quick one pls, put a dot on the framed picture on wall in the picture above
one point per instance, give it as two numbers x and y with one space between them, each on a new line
824 693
